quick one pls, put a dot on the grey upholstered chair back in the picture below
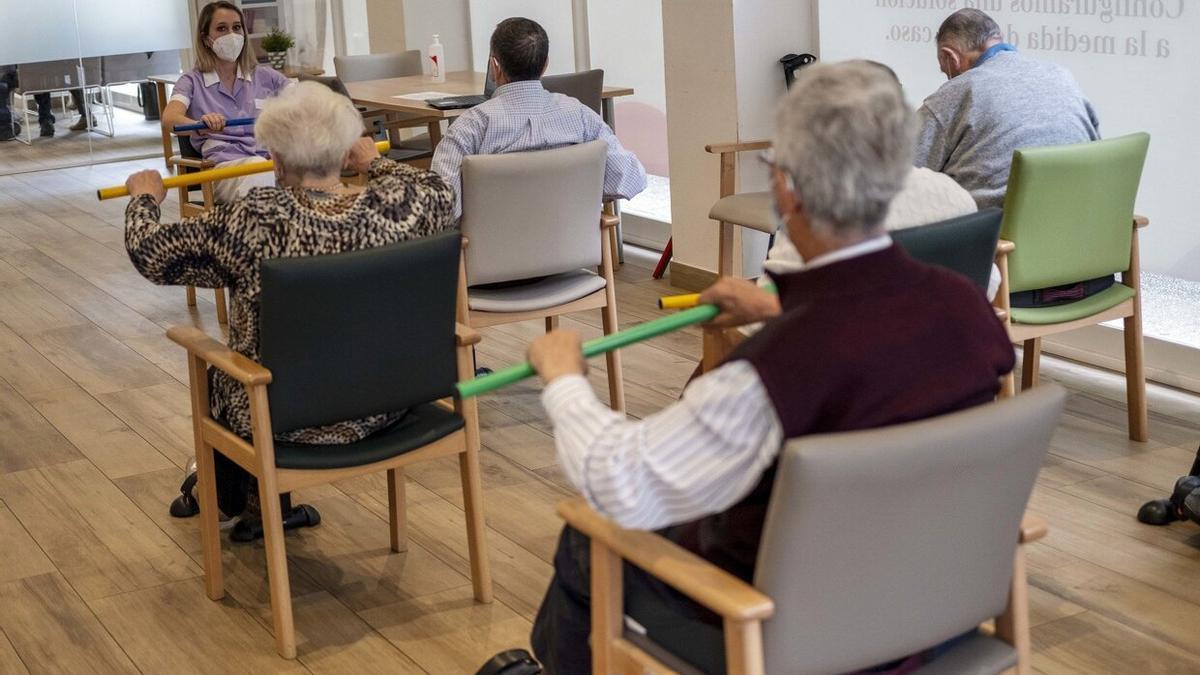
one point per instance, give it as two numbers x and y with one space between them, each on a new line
360 333
330 81
532 214
586 86
378 66
966 244
882 543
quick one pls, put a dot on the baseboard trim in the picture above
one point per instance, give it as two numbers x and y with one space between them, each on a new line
1167 363
691 278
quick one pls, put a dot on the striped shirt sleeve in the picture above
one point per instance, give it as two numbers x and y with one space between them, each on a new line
697 457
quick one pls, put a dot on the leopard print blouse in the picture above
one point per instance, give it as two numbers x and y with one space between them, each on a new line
226 245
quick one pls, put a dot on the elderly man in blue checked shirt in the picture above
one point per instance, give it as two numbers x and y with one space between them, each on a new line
522 116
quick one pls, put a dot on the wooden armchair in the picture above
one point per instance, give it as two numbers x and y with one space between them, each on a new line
940 559
1069 217
188 159
363 302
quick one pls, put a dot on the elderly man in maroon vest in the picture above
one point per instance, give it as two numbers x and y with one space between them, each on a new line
862 336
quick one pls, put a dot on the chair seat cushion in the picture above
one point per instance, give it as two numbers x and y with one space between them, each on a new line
975 655
1089 306
421 426
749 209
550 291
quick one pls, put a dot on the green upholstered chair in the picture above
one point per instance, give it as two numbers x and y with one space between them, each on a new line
1069 214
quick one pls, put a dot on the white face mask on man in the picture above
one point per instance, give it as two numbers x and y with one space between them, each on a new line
229 47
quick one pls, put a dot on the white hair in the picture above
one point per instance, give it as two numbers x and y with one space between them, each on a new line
310 128
846 137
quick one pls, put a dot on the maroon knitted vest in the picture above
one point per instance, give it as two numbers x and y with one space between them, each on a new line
872 341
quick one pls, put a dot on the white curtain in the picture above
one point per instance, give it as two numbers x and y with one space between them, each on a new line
306 21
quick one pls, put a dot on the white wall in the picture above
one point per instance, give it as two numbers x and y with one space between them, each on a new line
764 31
554 15
449 19
1132 92
614 25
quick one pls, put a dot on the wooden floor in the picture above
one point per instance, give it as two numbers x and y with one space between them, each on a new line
94 435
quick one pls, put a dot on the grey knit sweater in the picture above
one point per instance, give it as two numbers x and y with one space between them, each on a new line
972 124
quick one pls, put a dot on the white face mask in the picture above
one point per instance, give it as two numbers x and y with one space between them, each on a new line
229 47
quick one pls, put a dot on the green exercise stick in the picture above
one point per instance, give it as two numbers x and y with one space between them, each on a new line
601 345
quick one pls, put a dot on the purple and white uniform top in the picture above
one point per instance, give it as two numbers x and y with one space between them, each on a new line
203 93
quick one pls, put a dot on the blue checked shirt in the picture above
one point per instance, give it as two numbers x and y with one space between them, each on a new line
523 116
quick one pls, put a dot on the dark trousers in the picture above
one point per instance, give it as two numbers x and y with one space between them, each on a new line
46 112
563 626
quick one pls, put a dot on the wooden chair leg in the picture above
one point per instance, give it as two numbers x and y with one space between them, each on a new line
1031 363
397 517
1013 625
1135 380
277 571
551 323
1135 368
1008 386
222 310
616 381
210 533
191 296
472 485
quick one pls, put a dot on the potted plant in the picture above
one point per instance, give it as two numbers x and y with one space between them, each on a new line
275 44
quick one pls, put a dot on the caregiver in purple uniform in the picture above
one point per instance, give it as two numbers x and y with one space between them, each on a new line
227 83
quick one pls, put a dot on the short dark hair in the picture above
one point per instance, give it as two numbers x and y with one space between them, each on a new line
969 29
521 47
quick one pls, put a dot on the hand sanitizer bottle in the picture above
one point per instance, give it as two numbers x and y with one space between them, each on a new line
437 61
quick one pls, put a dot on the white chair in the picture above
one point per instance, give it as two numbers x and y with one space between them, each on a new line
531 219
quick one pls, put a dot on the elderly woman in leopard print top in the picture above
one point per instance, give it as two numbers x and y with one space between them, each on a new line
312 133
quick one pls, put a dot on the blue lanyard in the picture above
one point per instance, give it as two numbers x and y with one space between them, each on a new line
992 51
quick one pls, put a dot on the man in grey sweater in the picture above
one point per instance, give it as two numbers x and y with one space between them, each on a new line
997 101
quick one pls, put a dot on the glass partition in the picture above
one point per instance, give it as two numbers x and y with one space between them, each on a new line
76 79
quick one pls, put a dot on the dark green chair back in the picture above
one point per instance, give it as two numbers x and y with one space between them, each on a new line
1069 211
966 244
362 333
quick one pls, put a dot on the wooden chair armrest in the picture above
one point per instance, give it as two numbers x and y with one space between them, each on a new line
746 146
1032 528
686 572
1140 221
231 363
466 336
608 221
176 160
1004 247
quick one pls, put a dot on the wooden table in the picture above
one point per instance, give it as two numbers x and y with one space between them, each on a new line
388 95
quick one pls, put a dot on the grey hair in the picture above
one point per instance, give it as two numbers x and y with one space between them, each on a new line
969 30
309 127
846 137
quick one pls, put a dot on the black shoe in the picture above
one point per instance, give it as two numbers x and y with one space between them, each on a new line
248 530
1158 512
1174 508
47 129
482 370
511 662
185 505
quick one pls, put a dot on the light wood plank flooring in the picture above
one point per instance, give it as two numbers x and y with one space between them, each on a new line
94 434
